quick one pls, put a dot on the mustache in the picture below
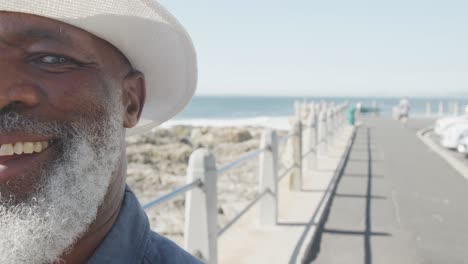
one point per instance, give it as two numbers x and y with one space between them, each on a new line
13 122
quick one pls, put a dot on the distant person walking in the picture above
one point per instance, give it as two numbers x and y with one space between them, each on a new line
404 108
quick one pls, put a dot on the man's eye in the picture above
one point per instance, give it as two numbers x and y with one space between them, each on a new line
52 59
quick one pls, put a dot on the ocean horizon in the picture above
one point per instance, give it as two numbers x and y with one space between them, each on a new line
273 111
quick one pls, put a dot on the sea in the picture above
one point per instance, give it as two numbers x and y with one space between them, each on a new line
274 111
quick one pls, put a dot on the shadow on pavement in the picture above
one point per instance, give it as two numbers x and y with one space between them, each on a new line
367 233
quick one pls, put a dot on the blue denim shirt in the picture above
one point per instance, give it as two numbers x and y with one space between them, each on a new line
131 240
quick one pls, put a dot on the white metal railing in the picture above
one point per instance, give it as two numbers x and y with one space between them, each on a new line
313 130
240 160
178 191
452 108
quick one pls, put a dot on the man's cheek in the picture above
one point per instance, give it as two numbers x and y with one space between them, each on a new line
74 97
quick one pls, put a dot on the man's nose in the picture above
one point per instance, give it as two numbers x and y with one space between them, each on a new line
16 88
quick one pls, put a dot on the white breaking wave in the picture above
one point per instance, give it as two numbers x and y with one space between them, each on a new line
280 123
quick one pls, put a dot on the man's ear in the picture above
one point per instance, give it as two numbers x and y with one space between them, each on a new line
134 95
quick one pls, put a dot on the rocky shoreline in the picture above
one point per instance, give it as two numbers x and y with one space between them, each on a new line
157 163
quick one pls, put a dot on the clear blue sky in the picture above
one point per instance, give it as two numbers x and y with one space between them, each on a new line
327 48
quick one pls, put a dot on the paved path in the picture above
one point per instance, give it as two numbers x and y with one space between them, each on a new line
397 202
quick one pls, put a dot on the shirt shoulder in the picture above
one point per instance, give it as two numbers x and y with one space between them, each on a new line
162 250
131 241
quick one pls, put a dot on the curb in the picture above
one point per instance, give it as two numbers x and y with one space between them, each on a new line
459 166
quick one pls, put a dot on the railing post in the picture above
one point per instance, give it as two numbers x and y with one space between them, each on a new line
456 108
323 105
374 106
310 140
441 109
323 132
297 109
268 178
336 119
345 114
338 116
295 178
305 110
317 108
343 110
428 109
201 222
330 121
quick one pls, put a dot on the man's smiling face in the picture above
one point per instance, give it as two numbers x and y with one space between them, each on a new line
50 72
65 98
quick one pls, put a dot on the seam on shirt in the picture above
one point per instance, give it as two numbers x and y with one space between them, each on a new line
147 260
145 257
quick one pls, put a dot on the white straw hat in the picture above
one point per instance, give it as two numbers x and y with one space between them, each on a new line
146 33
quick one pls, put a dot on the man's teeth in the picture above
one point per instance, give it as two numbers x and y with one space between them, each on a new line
23 148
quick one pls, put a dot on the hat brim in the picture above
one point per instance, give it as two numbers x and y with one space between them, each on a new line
154 43
166 58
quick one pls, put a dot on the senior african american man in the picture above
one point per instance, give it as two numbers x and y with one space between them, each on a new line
74 76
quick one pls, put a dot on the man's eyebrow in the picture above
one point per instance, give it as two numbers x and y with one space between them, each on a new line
61 35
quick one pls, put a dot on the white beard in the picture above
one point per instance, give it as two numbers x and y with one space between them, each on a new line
43 227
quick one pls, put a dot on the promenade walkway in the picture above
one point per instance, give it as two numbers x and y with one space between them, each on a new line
396 202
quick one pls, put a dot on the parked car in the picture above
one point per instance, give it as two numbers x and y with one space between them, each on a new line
452 134
463 145
442 123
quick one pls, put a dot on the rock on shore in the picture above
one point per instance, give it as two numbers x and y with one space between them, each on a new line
157 163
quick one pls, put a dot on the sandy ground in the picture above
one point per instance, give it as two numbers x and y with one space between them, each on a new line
157 163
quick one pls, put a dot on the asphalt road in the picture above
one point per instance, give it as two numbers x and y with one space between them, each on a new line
396 202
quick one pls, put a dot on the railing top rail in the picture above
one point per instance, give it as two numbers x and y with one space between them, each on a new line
248 156
174 193
221 170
